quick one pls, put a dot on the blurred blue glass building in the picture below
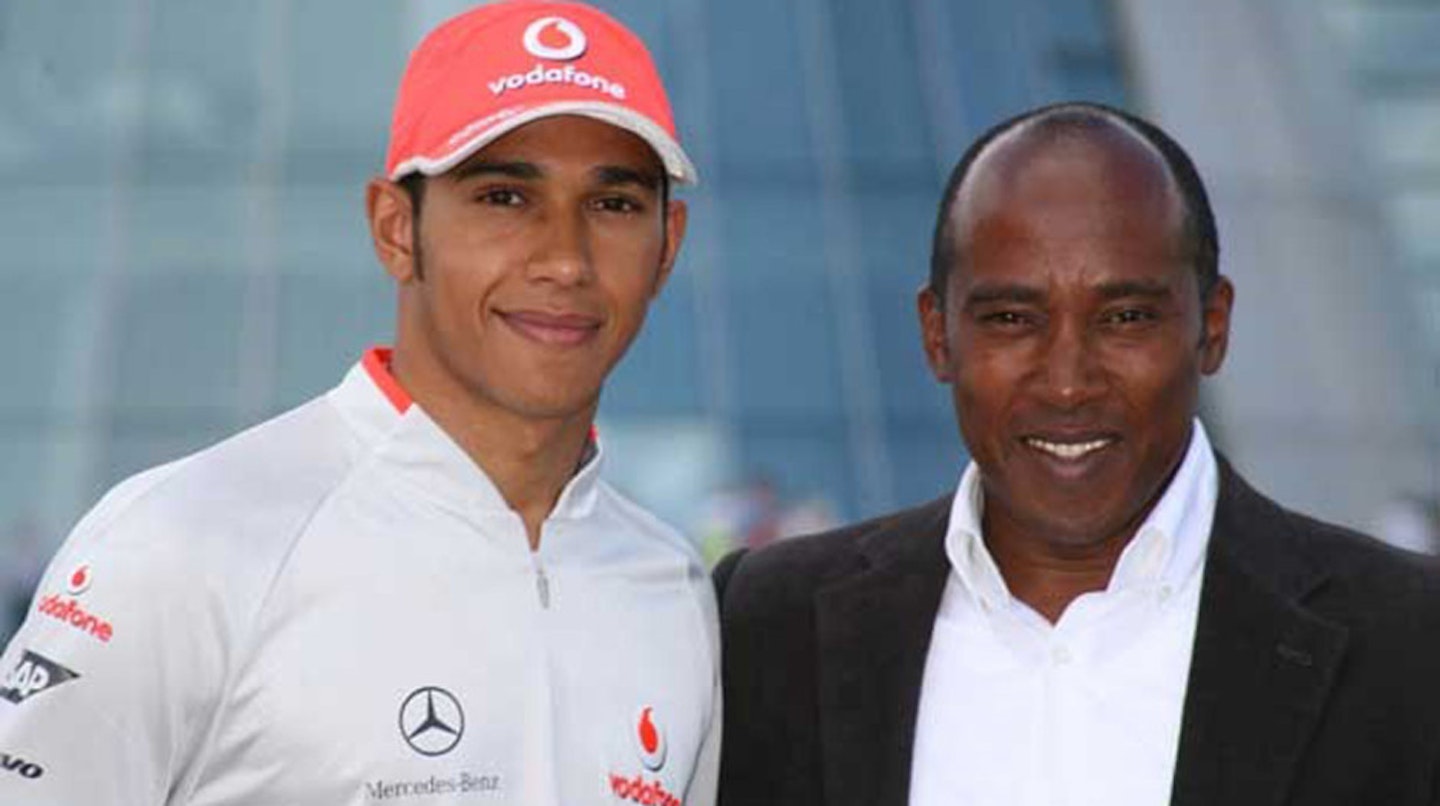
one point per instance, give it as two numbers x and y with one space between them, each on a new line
185 253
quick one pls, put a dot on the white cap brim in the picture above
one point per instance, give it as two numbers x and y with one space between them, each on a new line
677 163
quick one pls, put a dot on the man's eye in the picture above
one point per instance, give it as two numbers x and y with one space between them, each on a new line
1004 318
618 204
1130 316
503 197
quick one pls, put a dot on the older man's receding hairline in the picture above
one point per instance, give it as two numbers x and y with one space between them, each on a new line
1000 166
1083 122
1198 235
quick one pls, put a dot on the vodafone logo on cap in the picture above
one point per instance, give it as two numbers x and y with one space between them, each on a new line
79 580
555 38
649 739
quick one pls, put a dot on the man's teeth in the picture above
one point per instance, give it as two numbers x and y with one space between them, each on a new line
1070 450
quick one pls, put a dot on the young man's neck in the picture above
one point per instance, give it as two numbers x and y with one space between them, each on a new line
529 460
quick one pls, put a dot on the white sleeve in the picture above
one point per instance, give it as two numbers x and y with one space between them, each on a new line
109 687
705 778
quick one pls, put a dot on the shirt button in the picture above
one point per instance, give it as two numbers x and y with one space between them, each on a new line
1164 593
1060 655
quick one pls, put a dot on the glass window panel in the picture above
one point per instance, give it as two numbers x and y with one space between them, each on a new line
931 459
53 230
997 63
800 461
26 541
176 343
198 228
906 385
64 94
321 229
784 345
771 231
1397 41
32 308
345 60
202 104
325 323
759 106
660 375
1414 217
1085 76
880 84
1405 132
668 465
1429 302
1084 23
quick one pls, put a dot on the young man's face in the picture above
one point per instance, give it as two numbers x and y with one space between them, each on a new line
1073 334
534 263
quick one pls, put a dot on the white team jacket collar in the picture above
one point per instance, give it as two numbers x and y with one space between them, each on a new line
402 434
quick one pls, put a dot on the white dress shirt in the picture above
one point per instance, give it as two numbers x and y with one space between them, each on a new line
1015 711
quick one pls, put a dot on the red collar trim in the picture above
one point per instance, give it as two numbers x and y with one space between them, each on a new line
376 362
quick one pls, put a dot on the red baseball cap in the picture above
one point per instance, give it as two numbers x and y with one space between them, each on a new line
501 65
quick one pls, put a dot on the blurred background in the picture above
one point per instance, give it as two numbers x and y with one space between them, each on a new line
184 252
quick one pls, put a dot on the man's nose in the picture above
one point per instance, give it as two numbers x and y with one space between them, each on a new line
1069 373
562 254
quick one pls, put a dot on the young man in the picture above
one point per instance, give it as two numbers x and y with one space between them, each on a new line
415 588
1103 612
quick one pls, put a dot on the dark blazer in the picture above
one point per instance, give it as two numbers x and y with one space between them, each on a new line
1315 677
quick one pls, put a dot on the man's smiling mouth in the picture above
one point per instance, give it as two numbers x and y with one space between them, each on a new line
1069 449
557 329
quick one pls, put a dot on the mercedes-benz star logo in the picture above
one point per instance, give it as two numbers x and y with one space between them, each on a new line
431 721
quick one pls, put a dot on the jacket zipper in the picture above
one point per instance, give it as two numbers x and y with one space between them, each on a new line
542 582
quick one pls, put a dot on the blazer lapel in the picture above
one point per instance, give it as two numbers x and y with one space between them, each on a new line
1262 666
873 633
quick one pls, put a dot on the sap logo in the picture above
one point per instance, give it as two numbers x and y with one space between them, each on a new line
16 764
34 674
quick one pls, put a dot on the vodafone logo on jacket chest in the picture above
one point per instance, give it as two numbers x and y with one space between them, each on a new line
647 733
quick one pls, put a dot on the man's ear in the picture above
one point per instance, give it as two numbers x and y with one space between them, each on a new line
931 309
1215 325
392 228
676 217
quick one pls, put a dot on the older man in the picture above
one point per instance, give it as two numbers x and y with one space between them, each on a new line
1104 612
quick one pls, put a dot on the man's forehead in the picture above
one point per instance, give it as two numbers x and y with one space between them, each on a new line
1065 157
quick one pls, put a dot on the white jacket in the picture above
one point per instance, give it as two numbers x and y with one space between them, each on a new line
338 607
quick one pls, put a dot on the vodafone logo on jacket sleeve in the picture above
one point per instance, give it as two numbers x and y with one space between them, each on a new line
70 611
79 580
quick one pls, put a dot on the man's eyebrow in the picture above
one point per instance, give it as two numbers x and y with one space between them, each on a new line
611 175
1120 289
986 293
513 170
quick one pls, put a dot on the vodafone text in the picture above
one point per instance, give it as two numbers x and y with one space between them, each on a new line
639 790
540 74
71 612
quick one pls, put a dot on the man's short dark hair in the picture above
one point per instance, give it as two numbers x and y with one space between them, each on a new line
1201 241
413 184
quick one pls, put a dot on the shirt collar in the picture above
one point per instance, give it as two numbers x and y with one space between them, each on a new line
1167 549
386 418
